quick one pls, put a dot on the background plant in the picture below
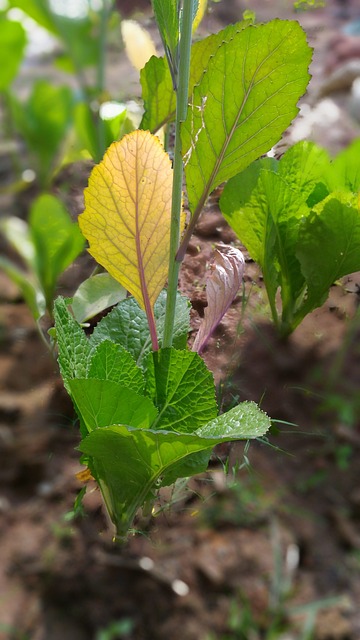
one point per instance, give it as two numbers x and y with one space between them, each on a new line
299 219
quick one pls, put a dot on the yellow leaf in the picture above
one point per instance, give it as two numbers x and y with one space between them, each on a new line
128 213
139 45
199 14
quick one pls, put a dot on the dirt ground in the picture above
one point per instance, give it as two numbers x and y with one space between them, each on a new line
266 545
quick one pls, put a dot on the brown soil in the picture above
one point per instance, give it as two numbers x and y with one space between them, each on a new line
270 537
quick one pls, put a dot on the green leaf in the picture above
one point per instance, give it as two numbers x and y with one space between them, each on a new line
182 388
96 294
111 361
345 169
239 110
39 11
131 464
156 82
43 122
264 205
57 240
127 325
328 246
243 422
167 19
104 402
74 347
12 46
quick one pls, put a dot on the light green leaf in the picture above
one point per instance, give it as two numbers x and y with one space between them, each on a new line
43 122
96 294
104 402
182 388
328 246
345 169
167 19
131 464
240 109
38 10
156 82
158 94
111 361
127 325
242 422
264 205
73 345
57 242
12 46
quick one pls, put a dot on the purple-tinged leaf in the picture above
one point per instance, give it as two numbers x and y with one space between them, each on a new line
223 283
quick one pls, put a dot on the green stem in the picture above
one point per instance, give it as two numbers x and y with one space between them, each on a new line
181 110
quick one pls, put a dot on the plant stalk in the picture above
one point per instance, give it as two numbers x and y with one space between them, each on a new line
181 110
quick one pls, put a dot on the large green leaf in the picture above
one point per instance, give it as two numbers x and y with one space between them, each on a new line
104 402
157 85
57 240
243 103
127 325
111 361
12 46
182 388
131 464
328 246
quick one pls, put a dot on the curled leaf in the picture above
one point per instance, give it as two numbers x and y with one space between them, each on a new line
223 283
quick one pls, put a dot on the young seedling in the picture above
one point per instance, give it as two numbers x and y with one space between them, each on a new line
47 245
146 404
299 219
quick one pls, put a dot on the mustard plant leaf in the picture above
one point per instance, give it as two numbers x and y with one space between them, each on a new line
104 402
96 294
157 85
239 110
222 285
167 20
131 464
328 246
127 215
73 345
345 169
111 361
12 46
126 324
57 241
182 388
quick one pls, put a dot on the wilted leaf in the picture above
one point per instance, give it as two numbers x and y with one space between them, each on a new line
128 212
222 286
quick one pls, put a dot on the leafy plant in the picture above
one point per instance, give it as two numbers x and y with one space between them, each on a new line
146 404
299 219
47 245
